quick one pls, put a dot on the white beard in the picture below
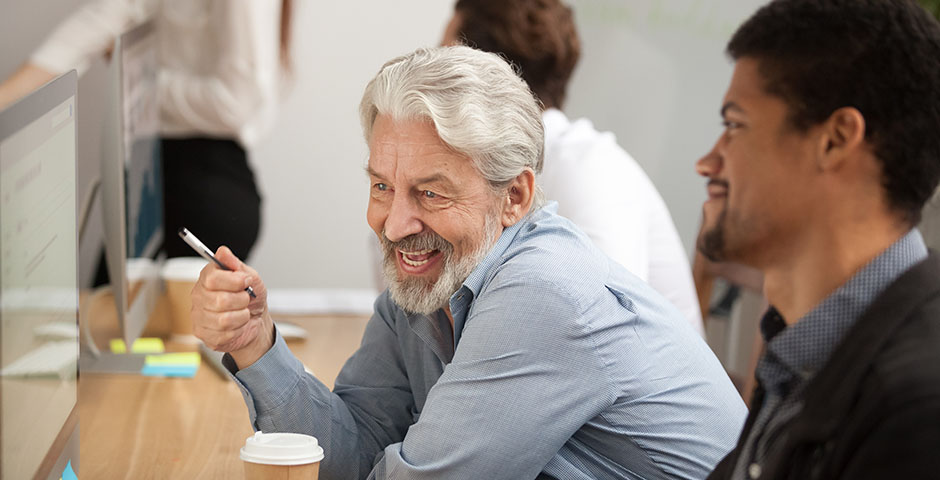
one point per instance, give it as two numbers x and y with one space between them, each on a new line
417 295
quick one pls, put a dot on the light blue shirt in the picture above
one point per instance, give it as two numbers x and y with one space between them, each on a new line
560 363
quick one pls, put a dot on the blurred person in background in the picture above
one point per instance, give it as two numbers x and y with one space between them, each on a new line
222 65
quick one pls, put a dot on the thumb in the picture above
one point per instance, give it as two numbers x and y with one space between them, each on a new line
224 255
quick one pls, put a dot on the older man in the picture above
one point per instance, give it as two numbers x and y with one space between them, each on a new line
831 148
506 346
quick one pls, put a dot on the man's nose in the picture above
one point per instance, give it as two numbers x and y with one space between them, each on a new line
710 163
403 219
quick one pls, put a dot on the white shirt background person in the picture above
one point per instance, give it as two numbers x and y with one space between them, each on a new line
606 193
227 89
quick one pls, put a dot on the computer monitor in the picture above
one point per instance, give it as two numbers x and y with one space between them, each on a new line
39 284
131 180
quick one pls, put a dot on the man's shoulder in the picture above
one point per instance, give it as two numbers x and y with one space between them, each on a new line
552 256
551 246
908 366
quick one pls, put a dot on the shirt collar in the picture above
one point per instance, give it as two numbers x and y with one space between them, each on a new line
804 347
462 299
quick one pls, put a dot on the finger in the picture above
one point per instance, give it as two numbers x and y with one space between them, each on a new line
224 255
222 280
224 301
223 322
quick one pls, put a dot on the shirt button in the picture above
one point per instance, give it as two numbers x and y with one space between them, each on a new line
754 471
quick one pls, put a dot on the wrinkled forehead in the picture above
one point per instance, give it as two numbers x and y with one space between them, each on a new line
412 149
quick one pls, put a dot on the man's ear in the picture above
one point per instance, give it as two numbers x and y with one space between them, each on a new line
519 196
843 136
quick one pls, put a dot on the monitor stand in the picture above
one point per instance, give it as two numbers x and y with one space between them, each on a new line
129 363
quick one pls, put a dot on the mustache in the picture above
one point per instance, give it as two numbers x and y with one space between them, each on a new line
416 242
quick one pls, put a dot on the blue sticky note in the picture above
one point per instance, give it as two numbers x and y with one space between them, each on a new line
185 371
68 473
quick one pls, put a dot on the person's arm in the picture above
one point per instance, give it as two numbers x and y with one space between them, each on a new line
371 407
242 68
88 32
524 378
704 283
23 81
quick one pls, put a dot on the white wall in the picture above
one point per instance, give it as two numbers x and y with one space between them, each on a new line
652 71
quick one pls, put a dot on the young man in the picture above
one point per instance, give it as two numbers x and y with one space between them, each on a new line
831 148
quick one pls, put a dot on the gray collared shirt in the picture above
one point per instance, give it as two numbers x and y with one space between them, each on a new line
794 354
560 362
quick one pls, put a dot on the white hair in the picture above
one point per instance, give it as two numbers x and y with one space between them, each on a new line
479 106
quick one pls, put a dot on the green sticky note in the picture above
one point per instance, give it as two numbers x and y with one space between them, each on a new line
180 359
141 345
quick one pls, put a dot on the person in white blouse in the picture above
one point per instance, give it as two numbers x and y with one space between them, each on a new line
221 65
596 183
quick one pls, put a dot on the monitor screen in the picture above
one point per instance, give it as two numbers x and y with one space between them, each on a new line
141 130
38 283
131 182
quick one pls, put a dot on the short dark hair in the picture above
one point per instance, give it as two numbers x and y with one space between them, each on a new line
538 36
881 57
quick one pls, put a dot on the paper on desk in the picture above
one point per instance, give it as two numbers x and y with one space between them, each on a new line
141 345
180 364
321 301
182 371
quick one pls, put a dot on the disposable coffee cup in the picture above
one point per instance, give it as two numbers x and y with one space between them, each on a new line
281 456
180 275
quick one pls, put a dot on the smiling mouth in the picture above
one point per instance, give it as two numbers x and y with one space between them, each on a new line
717 189
418 258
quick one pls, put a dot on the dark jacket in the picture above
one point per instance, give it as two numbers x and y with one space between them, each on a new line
873 411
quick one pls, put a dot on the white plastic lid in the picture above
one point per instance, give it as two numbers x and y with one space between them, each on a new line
183 268
281 449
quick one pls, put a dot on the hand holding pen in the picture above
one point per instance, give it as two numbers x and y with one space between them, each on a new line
204 252
226 319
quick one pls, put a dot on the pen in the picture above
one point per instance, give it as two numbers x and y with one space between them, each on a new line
204 252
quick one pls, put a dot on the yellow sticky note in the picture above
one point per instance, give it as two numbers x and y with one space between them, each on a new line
141 345
118 346
174 359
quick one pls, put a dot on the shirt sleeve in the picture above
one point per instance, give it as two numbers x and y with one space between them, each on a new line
232 92
370 407
89 32
523 380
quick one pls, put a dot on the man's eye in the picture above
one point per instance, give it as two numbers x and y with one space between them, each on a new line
729 125
381 187
429 194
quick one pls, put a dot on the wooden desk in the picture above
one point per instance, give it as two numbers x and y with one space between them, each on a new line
147 427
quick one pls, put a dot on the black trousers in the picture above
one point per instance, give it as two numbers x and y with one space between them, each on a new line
209 188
